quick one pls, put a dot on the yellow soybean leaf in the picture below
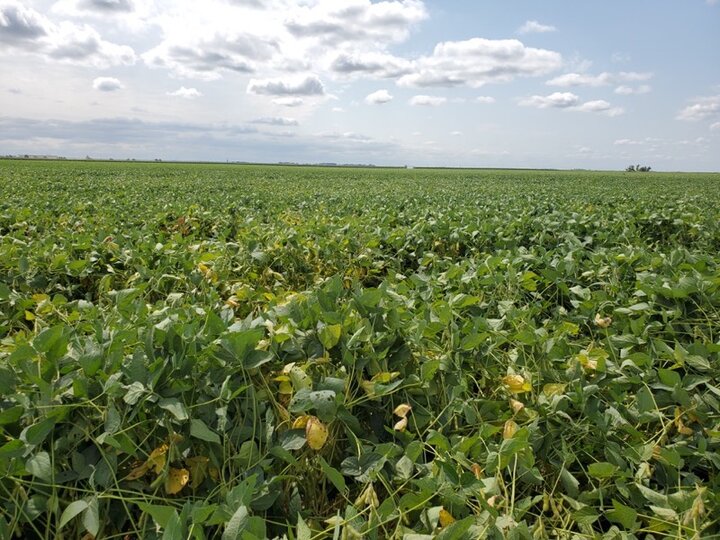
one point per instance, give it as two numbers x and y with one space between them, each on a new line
402 410
516 384
157 459
446 518
554 389
316 433
198 467
176 480
385 377
587 362
369 388
680 425
301 422
401 425
285 386
509 429
516 405
138 472
602 322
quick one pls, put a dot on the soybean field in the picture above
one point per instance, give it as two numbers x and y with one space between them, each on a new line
196 351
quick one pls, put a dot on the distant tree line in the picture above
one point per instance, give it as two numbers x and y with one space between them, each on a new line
638 168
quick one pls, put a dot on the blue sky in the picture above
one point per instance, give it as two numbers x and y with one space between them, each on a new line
562 84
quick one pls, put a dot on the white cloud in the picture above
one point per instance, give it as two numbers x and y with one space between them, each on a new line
599 106
702 109
628 142
602 79
132 16
21 24
571 102
208 58
105 7
207 40
428 101
557 99
309 85
629 90
338 110
24 29
379 97
534 27
484 99
288 101
107 84
456 133
253 4
276 121
478 61
338 23
186 93
377 64
715 126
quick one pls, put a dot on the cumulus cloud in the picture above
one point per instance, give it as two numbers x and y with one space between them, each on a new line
107 84
427 101
22 25
599 106
336 23
628 142
310 85
557 99
602 79
254 4
276 121
377 64
702 109
534 27
107 6
478 61
102 8
572 102
22 28
208 58
630 90
206 39
484 99
186 93
288 101
379 97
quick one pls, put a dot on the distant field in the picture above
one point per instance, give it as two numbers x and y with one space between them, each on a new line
224 351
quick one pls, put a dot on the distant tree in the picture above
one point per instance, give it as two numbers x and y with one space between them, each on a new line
638 168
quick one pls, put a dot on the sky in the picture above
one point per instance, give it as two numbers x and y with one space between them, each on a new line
460 83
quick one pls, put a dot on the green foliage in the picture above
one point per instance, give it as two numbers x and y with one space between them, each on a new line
172 336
